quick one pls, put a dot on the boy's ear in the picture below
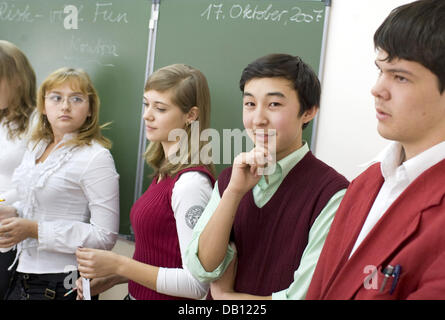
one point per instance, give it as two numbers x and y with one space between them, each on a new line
310 114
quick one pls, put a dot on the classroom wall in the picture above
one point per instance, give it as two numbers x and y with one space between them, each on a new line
346 133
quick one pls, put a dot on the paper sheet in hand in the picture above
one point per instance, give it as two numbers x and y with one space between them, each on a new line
86 289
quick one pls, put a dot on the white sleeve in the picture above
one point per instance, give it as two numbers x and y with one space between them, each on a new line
190 196
100 183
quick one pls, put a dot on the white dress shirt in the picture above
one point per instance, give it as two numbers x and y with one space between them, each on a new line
74 197
187 207
11 154
398 176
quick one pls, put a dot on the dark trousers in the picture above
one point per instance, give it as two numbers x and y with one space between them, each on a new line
6 259
31 286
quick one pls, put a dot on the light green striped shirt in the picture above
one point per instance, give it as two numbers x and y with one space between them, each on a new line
262 193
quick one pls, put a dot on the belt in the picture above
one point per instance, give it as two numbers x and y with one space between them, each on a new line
50 277
49 281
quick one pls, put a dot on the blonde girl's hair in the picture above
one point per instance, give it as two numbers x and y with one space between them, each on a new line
188 88
20 79
79 81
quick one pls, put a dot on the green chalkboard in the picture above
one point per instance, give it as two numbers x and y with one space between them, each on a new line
109 39
221 37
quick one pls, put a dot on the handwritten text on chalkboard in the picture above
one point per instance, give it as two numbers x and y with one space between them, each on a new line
26 13
13 13
219 12
100 50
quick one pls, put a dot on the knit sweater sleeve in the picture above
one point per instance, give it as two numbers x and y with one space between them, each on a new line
190 196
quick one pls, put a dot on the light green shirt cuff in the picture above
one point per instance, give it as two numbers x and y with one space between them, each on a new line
317 236
191 259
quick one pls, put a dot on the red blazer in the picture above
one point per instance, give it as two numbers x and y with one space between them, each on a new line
411 234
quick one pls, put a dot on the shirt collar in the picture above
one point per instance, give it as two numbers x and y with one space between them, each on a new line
425 160
284 166
41 145
392 156
290 161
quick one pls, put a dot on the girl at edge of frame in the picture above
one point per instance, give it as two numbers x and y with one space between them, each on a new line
175 97
17 110
68 188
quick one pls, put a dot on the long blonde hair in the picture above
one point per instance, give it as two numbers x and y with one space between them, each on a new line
90 130
20 78
188 88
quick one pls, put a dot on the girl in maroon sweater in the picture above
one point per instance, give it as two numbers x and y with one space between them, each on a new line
176 97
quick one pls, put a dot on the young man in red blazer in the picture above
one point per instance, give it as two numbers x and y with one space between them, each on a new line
387 240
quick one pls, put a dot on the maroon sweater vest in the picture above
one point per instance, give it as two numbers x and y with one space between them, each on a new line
270 240
156 237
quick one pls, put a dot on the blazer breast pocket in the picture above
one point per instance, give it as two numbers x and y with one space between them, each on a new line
387 281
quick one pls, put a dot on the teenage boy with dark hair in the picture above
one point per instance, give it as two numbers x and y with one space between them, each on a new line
387 240
278 223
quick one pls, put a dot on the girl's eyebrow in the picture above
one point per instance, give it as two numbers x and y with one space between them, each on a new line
70 94
160 102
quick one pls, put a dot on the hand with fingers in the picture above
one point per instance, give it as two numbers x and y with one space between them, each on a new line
247 169
96 263
7 212
14 230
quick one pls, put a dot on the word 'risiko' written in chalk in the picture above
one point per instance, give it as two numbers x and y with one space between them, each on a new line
68 15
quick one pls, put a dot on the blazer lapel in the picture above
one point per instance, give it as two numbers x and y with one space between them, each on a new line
398 223
348 226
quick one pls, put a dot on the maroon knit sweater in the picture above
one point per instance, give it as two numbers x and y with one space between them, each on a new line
270 240
154 226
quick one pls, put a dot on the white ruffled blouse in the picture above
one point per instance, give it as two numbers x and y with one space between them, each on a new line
74 197
11 154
